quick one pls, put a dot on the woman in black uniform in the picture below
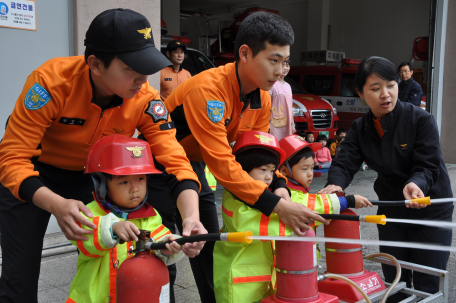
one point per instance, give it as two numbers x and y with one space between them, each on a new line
401 143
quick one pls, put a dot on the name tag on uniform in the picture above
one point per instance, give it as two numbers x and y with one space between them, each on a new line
168 79
72 121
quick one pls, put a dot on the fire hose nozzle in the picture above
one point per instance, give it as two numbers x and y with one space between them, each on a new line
425 200
378 219
240 237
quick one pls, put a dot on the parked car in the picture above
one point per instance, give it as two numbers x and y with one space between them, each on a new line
312 113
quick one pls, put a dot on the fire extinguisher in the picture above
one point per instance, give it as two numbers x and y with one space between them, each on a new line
297 273
145 278
347 260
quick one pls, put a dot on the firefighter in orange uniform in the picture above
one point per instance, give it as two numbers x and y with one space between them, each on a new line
173 75
66 105
213 108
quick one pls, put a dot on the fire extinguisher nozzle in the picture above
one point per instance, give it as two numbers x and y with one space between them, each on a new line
425 200
240 237
378 219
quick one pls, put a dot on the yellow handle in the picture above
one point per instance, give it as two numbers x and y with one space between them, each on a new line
425 200
378 219
241 237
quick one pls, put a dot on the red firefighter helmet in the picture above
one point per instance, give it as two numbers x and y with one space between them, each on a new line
257 139
120 155
294 143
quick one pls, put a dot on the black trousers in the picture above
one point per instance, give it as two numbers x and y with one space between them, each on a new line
22 228
414 233
202 265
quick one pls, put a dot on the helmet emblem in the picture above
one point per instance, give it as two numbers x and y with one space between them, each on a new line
146 32
137 151
300 138
264 139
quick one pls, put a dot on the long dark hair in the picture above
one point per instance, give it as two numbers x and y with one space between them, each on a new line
382 67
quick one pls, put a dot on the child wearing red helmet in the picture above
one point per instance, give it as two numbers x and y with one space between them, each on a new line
119 166
242 273
298 168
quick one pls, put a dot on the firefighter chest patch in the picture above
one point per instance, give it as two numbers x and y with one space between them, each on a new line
157 110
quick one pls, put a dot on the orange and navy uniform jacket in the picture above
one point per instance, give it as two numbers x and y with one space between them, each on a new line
55 112
209 114
101 255
170 79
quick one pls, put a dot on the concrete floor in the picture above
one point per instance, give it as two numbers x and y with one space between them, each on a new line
58 271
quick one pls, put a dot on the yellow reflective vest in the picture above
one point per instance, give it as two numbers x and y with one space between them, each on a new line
245 272
95 280
210 179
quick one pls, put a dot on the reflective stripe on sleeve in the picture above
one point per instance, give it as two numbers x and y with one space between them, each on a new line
311 201
157 231
325 204
82 248
96 240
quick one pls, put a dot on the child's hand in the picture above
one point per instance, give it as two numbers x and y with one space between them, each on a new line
126 230
173 248
361 202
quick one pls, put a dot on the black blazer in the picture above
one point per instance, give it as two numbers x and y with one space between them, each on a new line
409 151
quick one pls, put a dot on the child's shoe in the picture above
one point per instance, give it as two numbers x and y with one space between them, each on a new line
317 174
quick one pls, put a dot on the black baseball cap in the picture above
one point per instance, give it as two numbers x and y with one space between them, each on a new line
175 44
128 35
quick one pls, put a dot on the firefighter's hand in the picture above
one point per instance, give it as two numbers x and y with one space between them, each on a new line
283 193
331 189
191 227
412 191
67 212
173 248
126 230
361 202
297 216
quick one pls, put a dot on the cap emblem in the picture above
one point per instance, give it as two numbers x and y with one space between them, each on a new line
300 138
178 43
264 139
146 32
137 151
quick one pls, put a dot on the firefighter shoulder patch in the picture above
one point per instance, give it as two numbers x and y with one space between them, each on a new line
157 110
36 97
215 110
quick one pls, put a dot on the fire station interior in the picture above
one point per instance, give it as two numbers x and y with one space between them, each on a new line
323 29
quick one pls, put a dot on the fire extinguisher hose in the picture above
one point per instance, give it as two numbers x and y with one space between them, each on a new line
347 280
241 237
398 273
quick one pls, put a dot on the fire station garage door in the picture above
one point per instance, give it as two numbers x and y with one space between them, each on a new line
22 51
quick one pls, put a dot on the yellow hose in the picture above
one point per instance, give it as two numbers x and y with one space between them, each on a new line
398 273
342 278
